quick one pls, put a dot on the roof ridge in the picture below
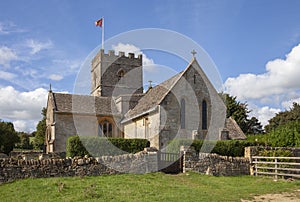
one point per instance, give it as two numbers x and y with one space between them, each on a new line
54 101
167 86
180 74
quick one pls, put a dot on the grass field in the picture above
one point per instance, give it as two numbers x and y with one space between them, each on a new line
147 187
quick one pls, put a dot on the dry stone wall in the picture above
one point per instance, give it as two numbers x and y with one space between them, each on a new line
214 164
143 162
12 169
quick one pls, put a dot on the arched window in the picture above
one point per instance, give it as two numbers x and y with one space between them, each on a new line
204 115
105 129
121 74
182 113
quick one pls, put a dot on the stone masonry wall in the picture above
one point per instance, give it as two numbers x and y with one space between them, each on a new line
214 164
12 169
143 162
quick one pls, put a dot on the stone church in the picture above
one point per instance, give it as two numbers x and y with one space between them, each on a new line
184 106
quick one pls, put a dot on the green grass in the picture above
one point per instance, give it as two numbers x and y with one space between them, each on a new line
147 187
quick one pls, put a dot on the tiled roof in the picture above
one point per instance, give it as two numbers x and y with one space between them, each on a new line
72 103
235 132
153 97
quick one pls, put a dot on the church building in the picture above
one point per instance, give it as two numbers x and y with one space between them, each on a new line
184 106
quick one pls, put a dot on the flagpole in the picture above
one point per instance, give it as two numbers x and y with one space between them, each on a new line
103 33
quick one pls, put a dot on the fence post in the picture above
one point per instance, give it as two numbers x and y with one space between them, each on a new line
255 165
276 177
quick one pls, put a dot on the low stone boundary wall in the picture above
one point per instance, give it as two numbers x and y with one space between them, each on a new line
12 169
143 162
214 164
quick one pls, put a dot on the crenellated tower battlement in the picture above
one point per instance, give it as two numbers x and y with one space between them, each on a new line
114 75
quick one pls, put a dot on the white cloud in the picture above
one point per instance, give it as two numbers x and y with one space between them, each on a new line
281 77
37 46
263 114
289 103
6 56
56 77
8 28
22 108
7 75
129 48
20 125
278 87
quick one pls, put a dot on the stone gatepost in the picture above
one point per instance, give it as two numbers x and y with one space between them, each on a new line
249 152
187 154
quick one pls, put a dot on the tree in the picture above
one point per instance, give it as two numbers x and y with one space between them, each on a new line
286 135
24 141
281 118
8 137
39 139
239 112
254 126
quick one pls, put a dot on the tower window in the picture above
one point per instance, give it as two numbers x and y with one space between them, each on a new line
121 74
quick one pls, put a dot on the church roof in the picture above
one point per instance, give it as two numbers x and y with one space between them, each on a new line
235 132
71 103
153 97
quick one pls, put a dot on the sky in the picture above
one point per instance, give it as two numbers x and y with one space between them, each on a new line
255 46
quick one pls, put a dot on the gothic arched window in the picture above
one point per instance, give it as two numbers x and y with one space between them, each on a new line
182 113
204 115
121 74
105 129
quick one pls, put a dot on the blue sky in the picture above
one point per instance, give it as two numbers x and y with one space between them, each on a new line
254 44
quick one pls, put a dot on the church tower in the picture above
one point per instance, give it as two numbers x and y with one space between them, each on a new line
114 75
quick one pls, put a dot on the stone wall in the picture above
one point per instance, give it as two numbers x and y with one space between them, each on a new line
143 162
214 164
12 169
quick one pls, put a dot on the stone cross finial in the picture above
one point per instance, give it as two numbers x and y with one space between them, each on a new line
193 53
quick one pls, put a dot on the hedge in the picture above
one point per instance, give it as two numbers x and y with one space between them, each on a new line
225 148
99 146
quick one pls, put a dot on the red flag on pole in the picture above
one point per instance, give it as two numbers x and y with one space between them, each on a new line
99 22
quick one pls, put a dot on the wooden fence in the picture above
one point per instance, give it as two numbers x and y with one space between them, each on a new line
276 166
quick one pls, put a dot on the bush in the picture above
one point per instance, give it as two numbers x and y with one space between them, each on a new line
98 146
225 148
287 135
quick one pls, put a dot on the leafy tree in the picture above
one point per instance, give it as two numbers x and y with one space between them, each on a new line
24 141
286 135
39 139
239 112
254 126
8 137
281 118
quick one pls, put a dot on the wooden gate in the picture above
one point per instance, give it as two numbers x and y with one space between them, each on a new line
170 162
277 166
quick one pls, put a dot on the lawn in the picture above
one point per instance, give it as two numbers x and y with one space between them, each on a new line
147 187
